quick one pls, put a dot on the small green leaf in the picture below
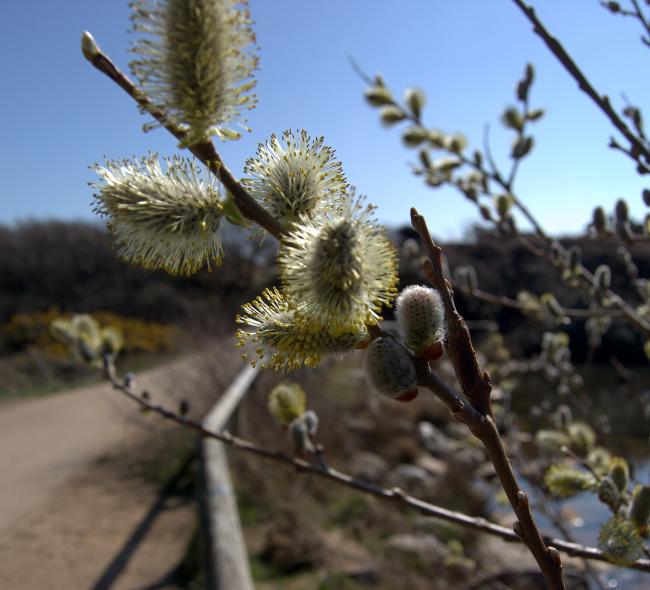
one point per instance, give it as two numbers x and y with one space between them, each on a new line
233 214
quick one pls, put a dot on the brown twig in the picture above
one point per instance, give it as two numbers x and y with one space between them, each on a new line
515 304
477 415
205 151
585 282
571 67
328 472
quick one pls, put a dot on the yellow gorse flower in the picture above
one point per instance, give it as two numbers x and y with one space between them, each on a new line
86 339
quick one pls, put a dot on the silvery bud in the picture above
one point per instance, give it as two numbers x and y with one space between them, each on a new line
622 211
379 96
299 433
414 136
552 305
599 220
503 204
603 278
525 83
608 492
640 508
522 147
619 472
310 418
486 214
286 403
391 369
421 317
583 437
415 99
455 143
613 7
89 47
535 114
391 115
512 118
575 255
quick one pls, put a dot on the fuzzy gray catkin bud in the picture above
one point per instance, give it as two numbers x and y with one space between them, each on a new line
599 220
603 278
640 508
420 317
310 418
390 369
621 211
299 433
620 473
608 492
378 96
415 99
89 47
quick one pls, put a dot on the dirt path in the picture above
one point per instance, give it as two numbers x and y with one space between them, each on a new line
63 514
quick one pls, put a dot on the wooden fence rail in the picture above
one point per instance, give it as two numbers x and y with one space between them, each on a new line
227 565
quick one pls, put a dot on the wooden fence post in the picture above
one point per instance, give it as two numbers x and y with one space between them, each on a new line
227 558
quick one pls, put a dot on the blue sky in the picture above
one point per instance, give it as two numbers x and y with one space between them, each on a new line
60 115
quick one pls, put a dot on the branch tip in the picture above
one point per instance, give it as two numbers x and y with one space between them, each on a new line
89 46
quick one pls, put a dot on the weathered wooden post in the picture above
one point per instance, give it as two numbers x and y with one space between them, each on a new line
227 558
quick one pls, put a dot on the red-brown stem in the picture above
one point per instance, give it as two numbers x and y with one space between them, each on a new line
576 73
477 414
205 151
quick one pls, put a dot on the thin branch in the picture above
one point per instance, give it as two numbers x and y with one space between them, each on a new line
586 284
514 304
478 416
520 134
327 472
583 83
205 151
474 383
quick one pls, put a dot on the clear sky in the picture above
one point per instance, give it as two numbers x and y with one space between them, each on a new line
60 115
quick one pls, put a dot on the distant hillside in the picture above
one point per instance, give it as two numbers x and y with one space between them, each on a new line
73 267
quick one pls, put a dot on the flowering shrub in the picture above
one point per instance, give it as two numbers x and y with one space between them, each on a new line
26 330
